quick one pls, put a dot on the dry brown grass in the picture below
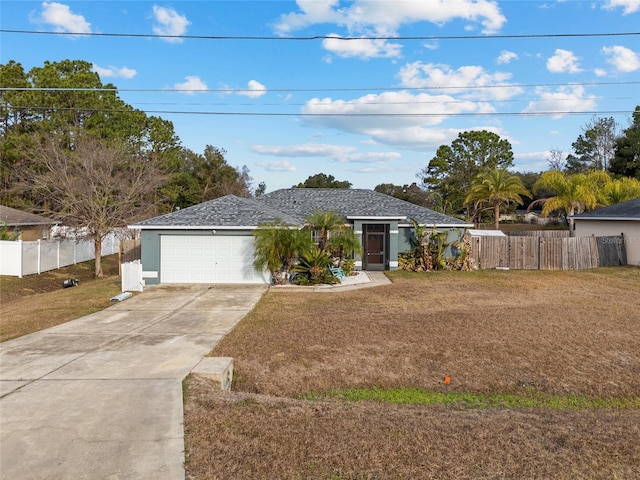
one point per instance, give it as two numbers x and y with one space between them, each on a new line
36 302
564 333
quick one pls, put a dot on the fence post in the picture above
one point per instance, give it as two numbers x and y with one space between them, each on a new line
539 252
21 257
58 255
39 256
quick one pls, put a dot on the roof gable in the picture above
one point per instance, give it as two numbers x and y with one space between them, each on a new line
629 210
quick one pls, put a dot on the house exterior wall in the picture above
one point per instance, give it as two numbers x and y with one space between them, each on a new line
150 248
601 228
33 233
407 233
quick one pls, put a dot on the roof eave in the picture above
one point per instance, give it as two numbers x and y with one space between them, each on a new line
192 227
373 217
199 227
440 225
624 219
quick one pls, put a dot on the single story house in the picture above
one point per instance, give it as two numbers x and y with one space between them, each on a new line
212 242
621 218
528 216
26 226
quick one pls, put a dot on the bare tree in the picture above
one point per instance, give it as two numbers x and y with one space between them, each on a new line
556 159
595 148
95 187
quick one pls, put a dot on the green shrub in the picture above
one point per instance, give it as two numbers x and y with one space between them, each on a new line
348 265
313 268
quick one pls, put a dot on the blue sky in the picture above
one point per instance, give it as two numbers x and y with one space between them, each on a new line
418 94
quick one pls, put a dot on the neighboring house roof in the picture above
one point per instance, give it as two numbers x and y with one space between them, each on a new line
224 212
629 210
293 205
486 233
17 218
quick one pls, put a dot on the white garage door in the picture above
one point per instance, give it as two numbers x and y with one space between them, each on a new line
208 259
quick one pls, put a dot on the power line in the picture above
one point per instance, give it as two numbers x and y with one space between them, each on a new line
415 102
284 114
318 89
320 37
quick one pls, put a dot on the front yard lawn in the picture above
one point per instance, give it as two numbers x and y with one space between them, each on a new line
542 377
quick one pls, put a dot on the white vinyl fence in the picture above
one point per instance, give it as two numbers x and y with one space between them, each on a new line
18 258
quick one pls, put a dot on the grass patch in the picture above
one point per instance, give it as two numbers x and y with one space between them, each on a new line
36 302
543 367
531 399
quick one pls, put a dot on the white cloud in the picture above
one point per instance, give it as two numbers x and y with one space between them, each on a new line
471 81
506 57
169 22
571 98
622 58
339 153
303 150
362 48
600 72
368 157
394 118
254 90
311 12
383 19
63 19
191 85
563 61
629 6
114 72
278 166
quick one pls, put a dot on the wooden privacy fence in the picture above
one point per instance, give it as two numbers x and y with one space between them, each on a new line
130 250
540 253
541 233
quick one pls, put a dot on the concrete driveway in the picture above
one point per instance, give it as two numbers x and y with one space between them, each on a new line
101 397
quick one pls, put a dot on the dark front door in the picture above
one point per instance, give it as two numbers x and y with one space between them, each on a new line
375 246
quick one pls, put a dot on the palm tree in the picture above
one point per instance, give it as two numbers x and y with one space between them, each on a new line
324 222
619 190
572 193
496 187
343 242
276 249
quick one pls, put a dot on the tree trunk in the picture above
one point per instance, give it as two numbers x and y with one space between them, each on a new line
97 244
496 214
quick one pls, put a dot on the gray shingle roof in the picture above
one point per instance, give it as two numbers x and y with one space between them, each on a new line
17 218
227 211
292 206
624 210
300 202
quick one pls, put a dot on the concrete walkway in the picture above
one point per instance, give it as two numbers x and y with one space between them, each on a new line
101 397
361 280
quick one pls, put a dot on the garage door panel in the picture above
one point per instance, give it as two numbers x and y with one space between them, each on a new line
208 259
